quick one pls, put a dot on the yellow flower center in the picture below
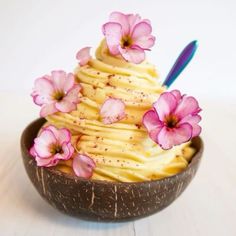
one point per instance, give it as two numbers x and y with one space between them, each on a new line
56 148
59 95
171 121
126 42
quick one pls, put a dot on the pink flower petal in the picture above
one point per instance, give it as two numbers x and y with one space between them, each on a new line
135 55
167 138
32 152
53 129
70 81
83 55
70 101
112 110
146 21
71 148
66 154
48 109
73 95
165 105
65 106
83 166
133 20
46 162
187 106
113 34
59 80
67 151
122 19
193 121
145 42
43 142
141 29
42 91
152 123
141 35
177 94
62 135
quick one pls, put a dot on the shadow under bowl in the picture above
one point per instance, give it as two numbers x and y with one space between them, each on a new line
102 200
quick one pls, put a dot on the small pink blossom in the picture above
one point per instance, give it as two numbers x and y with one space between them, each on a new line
112 110
51 146
128 36
83 56
83 165
57 92
173 120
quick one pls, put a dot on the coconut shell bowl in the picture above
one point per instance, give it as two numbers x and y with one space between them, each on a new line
102 200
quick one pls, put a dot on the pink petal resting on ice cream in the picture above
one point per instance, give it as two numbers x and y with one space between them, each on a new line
83 56
112 110
83 166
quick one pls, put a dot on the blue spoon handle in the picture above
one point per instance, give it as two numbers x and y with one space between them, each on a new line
181 62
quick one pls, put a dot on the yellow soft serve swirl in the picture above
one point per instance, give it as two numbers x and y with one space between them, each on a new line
123 150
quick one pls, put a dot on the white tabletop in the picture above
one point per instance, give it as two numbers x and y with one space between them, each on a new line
38 36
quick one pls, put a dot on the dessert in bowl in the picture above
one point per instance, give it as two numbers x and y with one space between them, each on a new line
113 144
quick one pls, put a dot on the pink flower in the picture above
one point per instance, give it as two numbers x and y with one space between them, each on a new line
83 166
112 110
173 120
83 55
51 146
57 92
129 36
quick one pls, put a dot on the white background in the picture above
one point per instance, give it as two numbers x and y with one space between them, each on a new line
39 36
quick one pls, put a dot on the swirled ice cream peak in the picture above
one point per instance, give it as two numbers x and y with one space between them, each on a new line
123 150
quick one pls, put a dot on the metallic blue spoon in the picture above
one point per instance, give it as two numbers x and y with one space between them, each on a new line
182 61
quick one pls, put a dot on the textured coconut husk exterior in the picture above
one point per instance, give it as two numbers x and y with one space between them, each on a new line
102 200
